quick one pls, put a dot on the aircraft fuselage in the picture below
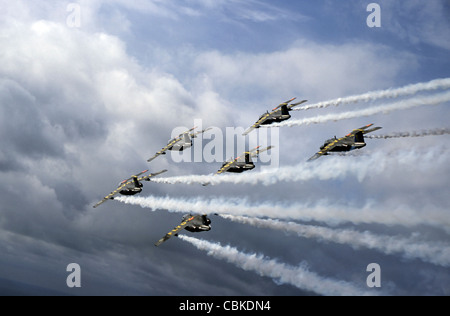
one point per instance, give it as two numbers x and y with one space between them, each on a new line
277 117
201 223
241 167
345 147
132 188
180 146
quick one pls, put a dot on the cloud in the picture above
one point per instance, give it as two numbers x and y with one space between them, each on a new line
78 115
375 95
305 69
417 22
252 10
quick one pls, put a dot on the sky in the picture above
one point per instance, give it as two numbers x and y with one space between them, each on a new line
89 90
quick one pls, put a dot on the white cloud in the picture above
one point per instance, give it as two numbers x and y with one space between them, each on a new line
418 21
307 70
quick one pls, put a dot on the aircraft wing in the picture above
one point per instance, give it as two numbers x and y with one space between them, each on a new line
163 151
132 177
257 124
188 131
327 148
123 184
111 195
315 157
284 103
194 135
367 131
364 130
175 231
255 152
173 142
227 166
151 175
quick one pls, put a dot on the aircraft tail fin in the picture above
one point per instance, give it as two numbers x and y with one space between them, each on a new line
359 137
372 130
285 110
136 182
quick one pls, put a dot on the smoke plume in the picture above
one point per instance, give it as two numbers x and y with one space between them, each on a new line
323 211
422 133
437 253
299 277
384 109
322 170
382 94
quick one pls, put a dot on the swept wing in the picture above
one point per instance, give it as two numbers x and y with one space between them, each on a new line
124 184
342 140
175 231
171 144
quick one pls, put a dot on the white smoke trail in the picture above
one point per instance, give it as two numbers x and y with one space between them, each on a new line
322 170
299 277
381 109
437 253
324 211
382 94
423 133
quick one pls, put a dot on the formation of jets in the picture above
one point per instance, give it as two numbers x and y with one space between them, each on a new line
243 163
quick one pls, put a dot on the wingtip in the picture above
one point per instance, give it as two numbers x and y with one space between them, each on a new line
248 131
315 157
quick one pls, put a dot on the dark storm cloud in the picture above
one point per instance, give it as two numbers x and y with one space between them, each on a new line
73 139
24 130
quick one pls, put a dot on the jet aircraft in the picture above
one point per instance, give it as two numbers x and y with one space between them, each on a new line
242 163
130 186
180 143
352 141
195 224
278 114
